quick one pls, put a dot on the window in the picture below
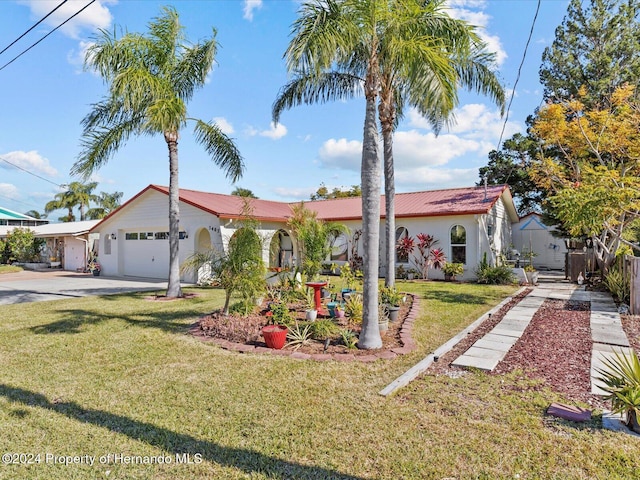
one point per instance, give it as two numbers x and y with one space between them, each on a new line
401 256
107 245
162 235
146 235
131 236
458 244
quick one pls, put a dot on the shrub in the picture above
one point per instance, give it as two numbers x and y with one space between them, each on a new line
618 284
349 338
322 329
498 275
353 308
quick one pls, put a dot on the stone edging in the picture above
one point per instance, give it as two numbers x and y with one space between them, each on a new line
406 330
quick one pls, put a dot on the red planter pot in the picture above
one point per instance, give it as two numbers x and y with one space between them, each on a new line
275 336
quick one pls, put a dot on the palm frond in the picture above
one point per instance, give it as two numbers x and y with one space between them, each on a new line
99 144
310 89
193 66
223 151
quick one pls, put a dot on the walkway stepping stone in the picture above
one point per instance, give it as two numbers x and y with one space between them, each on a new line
488 351
569 412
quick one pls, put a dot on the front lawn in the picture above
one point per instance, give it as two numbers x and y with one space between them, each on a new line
118 379
9 269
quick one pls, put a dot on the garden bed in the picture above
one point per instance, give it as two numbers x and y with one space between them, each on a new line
243 333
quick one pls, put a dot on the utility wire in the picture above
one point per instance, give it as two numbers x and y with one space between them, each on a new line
34 26
513 91
31 173
36 43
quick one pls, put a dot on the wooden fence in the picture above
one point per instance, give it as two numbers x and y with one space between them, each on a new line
631 271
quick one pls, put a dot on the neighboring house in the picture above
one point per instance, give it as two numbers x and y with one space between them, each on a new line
11 218
530 234
467 222
67 245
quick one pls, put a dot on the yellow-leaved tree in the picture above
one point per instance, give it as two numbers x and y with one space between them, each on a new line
589 163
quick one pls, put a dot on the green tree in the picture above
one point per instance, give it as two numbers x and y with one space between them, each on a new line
78 194
241 267
595 184
410 72
323 192
344 48
23 245
107 203
151 79
243 192
510 166
314 238
595 48
35 214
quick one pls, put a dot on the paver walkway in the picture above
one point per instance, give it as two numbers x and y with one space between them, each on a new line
606 329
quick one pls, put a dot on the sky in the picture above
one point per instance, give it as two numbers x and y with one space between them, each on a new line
46 93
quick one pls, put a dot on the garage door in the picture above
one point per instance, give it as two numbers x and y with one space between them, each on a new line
146 256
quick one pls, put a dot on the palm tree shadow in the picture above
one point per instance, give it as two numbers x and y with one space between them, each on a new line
452 297
248 461
75 319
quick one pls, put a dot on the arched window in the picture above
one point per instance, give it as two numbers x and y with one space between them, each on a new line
458 244
401 256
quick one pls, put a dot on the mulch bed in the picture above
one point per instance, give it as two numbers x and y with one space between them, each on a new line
245 330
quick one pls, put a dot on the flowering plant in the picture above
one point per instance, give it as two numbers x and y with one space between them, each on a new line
94 265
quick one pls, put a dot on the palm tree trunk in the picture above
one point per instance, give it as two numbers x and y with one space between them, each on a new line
386 112
370 174
173 287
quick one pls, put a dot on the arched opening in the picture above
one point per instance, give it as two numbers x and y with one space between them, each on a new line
281 250
203 245
401 256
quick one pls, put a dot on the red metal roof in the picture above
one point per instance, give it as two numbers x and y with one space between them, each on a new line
429 203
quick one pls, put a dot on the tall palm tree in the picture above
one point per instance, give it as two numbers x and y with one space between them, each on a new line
411 52
412 83
78 194
35 214
107 203
151 79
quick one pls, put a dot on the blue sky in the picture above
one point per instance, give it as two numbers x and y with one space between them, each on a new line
46 93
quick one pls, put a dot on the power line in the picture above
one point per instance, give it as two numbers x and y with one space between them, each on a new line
31 173
34 26
36 43
513 91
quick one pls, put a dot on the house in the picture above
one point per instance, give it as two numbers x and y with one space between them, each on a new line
67 245
15 219
530 234
467 222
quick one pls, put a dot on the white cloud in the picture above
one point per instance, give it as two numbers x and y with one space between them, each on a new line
426 178
97 15
462 10
8 190
224 125
249 7
342 153
413 149
275 132
295 193
76 56
31 161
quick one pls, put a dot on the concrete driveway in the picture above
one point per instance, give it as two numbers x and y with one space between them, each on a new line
38 286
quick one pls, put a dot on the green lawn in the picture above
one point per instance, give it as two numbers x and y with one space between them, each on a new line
120 376
9 269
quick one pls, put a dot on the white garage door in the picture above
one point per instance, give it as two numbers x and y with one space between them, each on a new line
146 257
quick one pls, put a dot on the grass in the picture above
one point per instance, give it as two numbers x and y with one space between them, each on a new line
118 375
9 269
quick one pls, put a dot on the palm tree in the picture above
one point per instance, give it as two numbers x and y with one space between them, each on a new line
151 79
62 200
398 49
406 82
107 203
35 214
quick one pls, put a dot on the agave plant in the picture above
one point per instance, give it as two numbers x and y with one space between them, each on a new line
621 380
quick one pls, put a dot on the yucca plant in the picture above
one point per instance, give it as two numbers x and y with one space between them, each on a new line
621 381
298 335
